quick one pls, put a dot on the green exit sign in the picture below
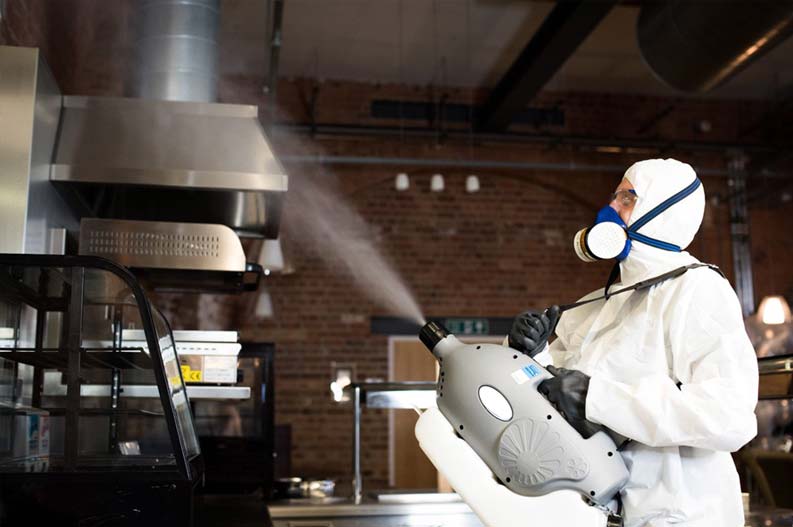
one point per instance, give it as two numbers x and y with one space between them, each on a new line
467 326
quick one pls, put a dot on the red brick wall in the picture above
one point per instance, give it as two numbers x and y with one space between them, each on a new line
493 253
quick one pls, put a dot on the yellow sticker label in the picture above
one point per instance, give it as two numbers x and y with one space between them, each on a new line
191 375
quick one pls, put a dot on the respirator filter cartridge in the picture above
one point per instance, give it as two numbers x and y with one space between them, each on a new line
600 242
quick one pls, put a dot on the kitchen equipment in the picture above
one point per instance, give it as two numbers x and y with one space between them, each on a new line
295 487
208 357
109 453
237 437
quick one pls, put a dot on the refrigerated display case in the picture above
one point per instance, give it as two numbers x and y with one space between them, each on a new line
237 436
93 430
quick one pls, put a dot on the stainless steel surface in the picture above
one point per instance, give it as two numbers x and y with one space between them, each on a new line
53 387
169 161
778 364
163 245
419 497
310 510
421 399
177 50
57 240
219 392
317 513
409 394
381 395
357 482
29 105
300 489
776 380
190 335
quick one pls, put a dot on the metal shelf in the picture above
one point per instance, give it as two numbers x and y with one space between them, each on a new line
776 377
144 391
55 358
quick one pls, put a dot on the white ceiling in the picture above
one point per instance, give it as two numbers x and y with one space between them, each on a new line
456 43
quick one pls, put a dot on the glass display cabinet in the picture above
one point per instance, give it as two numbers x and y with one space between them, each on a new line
93 431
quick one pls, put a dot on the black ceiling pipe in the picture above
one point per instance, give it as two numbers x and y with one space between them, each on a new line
696 46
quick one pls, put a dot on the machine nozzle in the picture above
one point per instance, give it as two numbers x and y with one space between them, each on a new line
432 333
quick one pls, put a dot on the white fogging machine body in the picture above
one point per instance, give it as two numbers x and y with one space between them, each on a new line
488 393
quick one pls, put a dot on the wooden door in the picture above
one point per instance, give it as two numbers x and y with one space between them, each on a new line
410 361
410 468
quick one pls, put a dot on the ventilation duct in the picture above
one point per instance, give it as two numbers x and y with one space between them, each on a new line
171 163
177 50
696 46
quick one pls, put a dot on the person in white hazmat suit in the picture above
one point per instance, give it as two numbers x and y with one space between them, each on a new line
669 367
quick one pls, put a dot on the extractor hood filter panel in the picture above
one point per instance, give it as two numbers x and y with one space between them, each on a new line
165 256
162 245
173 161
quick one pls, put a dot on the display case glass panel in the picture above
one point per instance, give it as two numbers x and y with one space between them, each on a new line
73 395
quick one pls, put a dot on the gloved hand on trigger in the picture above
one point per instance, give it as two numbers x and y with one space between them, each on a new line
567 392
530 330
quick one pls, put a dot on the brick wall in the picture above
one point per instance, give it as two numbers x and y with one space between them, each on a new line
493 253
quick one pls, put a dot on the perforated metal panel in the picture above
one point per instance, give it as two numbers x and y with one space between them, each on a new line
163 245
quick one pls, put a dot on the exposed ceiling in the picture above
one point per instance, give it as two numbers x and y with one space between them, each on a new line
457 43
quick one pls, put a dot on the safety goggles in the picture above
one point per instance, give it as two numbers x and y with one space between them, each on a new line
626 198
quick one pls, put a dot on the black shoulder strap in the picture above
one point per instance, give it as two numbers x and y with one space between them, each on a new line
638 286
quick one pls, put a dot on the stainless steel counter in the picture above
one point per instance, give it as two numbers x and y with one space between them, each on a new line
345 513
382 395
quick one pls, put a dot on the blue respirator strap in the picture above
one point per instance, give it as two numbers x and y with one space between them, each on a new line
680 196
652 242
654 213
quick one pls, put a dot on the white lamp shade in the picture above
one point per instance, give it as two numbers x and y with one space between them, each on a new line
436 183
402 182
774 310
472 184
271 256
264 304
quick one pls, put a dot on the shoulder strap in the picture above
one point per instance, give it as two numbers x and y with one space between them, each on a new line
638 286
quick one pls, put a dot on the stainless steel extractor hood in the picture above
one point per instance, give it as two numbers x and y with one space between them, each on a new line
158 180
172 154
141 159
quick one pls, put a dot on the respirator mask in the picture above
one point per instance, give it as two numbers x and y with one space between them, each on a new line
609 237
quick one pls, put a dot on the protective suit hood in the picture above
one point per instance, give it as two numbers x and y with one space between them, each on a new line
654 181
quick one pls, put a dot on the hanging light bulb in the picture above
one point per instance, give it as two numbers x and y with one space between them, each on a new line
472 184
774 310
402 182
271 256
436 183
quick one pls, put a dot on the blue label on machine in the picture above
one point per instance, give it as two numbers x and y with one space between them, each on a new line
531 370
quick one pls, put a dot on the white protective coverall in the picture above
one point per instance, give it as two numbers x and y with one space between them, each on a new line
671 368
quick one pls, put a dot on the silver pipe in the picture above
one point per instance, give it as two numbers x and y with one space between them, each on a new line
740 234
177 50
643 147
472 164
357 483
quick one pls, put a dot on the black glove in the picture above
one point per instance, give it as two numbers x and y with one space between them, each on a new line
530 330
567 392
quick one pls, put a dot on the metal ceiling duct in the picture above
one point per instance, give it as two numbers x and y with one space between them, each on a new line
177 50
696 46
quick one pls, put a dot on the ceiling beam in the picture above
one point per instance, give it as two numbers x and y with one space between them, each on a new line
562 31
